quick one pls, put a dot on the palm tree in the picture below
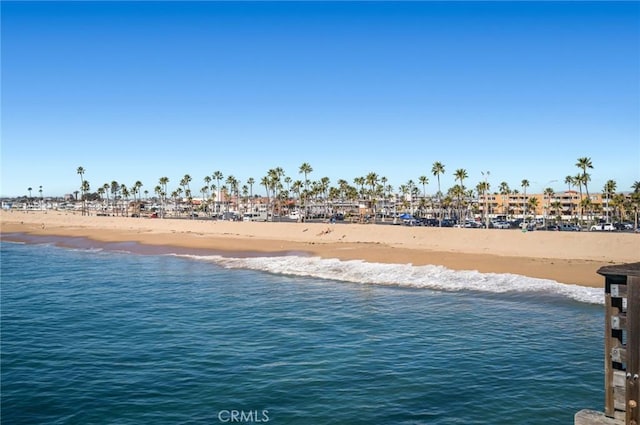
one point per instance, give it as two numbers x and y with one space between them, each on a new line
85 190
424 181
548 195
314 193
570 181
134 191
218 176
457 192
278 173
609 190
342 188
410 191
232 182
187 192
296 188
415 192
460 174
29 189
584 163
586 204
505 191
158 191
288 181
305 169
125 196
617 205
163 181
372 181
214 195
334 194
251 182
524 184
105 187
204 190
138 184
578 181
635 201
360 181
483 188
404 190
556 206
234 190
175 195
205 193
323 186
101 191
81 172
273 177
266 182
532 203
245 196
115 188
437 169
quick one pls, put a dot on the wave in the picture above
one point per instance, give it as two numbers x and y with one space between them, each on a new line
406 275
356 271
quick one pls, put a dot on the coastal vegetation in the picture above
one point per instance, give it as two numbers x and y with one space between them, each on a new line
372 193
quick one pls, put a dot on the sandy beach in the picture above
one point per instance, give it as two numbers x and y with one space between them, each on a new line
566 257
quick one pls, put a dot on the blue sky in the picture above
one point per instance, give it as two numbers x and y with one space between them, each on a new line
140 90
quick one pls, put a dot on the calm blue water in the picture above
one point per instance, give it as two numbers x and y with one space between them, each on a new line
96 337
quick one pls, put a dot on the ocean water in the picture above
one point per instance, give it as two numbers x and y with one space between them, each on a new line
111 334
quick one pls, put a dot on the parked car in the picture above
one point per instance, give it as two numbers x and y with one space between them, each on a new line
501 225
623 226
517 223
607 227
255 216
231 216
530 226
569 228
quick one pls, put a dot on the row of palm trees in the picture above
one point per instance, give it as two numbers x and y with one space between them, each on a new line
370 189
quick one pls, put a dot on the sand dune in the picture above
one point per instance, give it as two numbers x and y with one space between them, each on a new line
567 257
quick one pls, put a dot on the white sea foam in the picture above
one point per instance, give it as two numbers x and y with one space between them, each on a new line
407 275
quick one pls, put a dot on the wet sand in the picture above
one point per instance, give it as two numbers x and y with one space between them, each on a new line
566 257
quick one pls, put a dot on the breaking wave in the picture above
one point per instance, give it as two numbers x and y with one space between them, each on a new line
406 275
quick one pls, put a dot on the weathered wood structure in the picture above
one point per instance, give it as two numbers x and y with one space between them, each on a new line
621 349
622 342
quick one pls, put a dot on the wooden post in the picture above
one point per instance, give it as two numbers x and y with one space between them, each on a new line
633 351
622 342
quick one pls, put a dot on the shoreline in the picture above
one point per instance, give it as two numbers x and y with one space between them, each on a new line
565 257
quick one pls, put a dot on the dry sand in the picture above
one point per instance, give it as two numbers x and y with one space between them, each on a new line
566 257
